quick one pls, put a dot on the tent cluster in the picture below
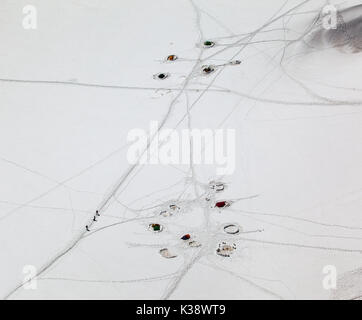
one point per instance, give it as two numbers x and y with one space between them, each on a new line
217 187
224 249
167 253
170 210
191 243
207 69
165 75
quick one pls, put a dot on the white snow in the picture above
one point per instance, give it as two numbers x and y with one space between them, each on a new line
73 88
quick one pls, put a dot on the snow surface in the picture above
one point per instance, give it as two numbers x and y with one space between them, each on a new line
72 89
